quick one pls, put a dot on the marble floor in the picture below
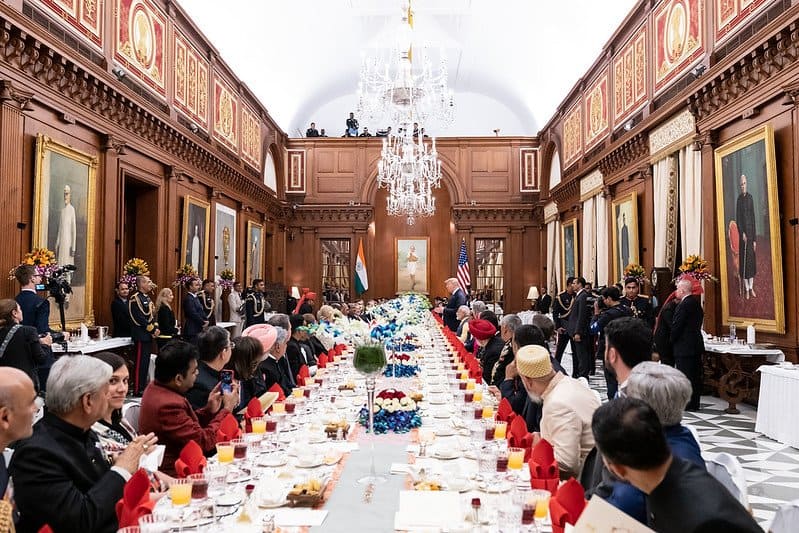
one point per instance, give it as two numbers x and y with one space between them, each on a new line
771 468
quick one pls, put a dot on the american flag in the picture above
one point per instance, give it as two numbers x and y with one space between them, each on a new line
464 278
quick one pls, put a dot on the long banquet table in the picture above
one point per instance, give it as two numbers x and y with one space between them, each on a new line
350 506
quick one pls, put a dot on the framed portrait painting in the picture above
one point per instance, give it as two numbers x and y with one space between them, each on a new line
625 233
568 249
412 264
63 221
196 219
224 239
255 251
750 251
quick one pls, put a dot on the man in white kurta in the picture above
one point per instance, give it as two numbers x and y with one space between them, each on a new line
67 233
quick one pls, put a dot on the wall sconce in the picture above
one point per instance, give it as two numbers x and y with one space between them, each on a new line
194 127
295 292
699 70
629 125
119 72
532 294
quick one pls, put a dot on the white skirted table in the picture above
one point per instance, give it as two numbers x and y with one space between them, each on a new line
93 346
779 393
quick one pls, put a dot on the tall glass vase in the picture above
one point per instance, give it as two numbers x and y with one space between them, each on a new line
370 360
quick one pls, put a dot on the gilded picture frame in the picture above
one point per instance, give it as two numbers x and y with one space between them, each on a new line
194 242
412 264
255 252
225 239
569 250
624 214
750 249
64 222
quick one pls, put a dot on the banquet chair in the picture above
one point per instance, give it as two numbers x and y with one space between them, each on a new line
130 412
728 471
786 518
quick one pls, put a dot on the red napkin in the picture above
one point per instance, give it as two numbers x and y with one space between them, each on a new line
322 361
191 460
279 390
505 411
254 410
46 529
519 437
566 506
544 472
338 348
303 375
228 430
135 501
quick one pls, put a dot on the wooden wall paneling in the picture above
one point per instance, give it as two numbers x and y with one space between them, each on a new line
13 238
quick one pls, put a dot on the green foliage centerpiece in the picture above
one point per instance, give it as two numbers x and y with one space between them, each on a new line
370 360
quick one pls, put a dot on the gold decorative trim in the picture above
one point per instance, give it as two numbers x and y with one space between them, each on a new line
677 132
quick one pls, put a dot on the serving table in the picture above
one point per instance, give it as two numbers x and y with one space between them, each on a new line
93 346
779 393
730 370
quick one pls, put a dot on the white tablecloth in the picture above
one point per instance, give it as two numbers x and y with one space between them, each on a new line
772 355
777 416
94 346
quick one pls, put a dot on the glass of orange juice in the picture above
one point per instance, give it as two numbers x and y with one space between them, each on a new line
470 384
478 395
297 392
541 499
224 452
488 411
515 458
258 425
180 491
500 430
279 408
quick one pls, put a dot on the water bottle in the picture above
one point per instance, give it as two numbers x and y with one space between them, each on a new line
732 333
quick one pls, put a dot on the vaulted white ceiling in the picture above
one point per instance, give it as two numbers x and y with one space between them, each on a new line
511 62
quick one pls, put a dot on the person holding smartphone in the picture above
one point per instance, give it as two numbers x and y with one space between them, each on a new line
215 350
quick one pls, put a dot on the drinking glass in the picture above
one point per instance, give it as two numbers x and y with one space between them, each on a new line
258 425
199 486
180 492
426 436
216 476
239 449
541 499
500 429
154 523
488 412
515 458
278 408
224 452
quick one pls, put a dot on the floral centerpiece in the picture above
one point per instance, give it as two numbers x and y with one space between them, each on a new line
393 411
184 274
42 259
634 270
133 268
401 366
226 278
696 267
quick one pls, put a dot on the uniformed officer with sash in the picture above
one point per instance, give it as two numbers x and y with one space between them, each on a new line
208 301
255 305
144 328
561 309
641 306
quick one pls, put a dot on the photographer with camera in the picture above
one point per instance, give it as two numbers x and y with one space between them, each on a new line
607 308
35 313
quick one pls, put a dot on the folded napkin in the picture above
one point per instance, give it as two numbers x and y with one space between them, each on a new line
279 390
45 529
322 361
191 460
254 410
519 437
135 501
566 505
228 430
505 411
338 348
151 461
303 375
544 472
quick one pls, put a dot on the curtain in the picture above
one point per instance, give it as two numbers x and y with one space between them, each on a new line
601 237
665 192
690 172
588 269
553 256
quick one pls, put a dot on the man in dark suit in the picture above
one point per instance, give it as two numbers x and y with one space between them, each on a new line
561 308
144 328
17 407
680 496
61 476
577 328
166 412
298 351
544 302
274 366
457 298
120 319
35 313
195 319
686 339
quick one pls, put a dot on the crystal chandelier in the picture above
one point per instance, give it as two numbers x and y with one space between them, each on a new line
398 83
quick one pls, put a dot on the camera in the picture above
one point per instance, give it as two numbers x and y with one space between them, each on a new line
595 296
57 284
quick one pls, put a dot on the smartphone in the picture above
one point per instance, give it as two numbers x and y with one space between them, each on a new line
226 378
40 286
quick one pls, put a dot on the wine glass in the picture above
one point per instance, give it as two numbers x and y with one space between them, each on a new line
370 360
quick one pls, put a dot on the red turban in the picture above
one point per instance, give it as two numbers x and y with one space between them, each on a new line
481 329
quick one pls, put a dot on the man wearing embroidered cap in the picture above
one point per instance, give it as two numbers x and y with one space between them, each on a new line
568 406
489 345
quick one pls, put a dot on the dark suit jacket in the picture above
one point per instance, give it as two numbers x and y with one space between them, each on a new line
120 319
195 316
686 329
275 373
207 379
294 355
24 351
580 317
166 321
170 416
663 333
489 355
456 299
35 311
544 304
691 500
61 478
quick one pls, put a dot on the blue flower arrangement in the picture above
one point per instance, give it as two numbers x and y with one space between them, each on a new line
400 371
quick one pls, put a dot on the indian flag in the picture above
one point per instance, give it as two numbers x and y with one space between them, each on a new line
361 280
